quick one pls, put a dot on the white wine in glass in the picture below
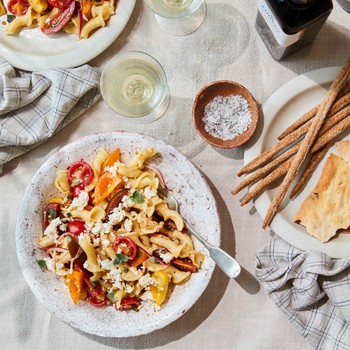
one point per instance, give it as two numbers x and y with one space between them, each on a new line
134 84
178 17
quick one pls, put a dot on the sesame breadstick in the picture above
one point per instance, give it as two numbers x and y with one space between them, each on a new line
276 174
316 158
339 104
308 141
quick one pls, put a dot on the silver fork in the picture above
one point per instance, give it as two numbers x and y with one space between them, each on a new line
226 262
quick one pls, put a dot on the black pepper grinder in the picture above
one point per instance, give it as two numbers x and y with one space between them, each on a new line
286 26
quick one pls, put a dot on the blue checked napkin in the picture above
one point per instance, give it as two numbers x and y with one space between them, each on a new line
33 106
311 288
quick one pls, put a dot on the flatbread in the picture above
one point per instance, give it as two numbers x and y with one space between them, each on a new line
343 150
327 208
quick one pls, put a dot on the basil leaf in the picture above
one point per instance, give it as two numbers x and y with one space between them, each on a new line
77 182
110 296
120 258
42 265
52 213
10 18
136 197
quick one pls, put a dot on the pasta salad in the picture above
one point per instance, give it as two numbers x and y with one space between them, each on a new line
81 17
112 238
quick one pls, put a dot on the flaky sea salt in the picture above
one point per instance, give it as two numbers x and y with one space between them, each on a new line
227 117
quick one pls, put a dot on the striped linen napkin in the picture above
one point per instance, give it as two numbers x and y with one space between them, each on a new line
34 106
311 288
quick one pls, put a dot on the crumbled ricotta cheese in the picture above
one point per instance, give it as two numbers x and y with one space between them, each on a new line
127 202
128 225
112 169
51 231
148 192
166 257
107 264
146 280
80 202
106 242
117 216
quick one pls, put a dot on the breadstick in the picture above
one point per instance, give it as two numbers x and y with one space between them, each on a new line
316 158
307 142
338 105
276 174
260 173
279 146
323 141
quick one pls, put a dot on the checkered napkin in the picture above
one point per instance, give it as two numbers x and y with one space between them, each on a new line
33 106
311 288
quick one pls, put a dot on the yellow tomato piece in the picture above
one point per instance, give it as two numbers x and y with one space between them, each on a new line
160 289
74 282
86 7
112 158
106 185
56 200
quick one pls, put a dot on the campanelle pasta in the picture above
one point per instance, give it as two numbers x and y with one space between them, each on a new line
111 237
81 17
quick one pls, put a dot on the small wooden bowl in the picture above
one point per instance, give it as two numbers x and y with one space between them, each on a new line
223 88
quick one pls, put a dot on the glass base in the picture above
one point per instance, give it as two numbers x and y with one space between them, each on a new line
182 26
155 114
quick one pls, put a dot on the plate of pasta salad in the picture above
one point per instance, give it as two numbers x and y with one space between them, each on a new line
98 243
42 34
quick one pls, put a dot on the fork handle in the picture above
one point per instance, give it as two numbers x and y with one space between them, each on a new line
226 262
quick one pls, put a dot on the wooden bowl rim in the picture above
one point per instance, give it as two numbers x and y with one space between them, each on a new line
238 140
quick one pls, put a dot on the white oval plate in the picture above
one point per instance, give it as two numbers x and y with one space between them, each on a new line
282 108
32 50
197 206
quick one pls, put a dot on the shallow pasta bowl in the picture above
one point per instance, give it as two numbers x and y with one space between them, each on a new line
197 206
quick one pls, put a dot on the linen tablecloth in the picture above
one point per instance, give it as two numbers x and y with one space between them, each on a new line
231 314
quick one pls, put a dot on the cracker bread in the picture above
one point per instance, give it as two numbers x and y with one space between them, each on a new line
327 208
343 150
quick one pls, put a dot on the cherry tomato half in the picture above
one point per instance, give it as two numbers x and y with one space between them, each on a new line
76 227
184 264
128 303
54 24
126 245
51 212
18 7
80 174
61 4
97 302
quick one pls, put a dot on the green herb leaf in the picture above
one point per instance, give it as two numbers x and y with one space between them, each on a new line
42 265
120 258
110 296
52 213
10 18
136 197
77 182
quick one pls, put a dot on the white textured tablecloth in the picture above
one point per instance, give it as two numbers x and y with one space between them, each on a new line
234 314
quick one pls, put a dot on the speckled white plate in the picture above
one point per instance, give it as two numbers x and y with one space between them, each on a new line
32 50
284 106
197 206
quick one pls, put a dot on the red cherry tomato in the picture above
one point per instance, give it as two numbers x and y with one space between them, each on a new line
18 7
96 302
76 227
80 174
51 212
126 245
61 4
184 264
54 24
128 303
